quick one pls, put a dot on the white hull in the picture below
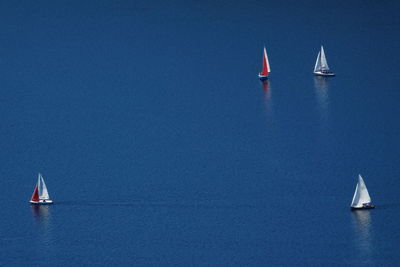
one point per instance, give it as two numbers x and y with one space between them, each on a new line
326 74
42 202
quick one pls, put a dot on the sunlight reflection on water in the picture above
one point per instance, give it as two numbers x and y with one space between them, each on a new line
41 213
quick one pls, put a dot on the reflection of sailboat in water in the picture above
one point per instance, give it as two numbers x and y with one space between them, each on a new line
266 89
320 83
266 84
321 89
322 94
362 219
44 240
41 213
362 224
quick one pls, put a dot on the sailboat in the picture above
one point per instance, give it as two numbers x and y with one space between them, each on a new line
321 65
361 198
263 75
40 194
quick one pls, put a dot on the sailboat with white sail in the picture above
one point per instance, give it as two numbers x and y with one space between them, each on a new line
263 75
361 198
321 67
40 194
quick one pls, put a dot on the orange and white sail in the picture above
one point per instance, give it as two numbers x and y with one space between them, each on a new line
266 68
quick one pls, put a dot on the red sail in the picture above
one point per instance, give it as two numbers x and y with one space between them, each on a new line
35 195
265 69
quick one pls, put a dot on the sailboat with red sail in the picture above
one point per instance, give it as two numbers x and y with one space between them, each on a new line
263 75
40 194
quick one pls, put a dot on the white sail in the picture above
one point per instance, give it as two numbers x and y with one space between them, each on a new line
43 193
318 62
361 195
266 59
324 63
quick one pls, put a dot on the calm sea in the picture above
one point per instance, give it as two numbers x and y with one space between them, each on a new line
160 147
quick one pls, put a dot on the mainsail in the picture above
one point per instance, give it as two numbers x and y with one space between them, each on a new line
43 193
361 195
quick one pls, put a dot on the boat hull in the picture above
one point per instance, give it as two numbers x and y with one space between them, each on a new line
363 208
42 202
326 74
262 77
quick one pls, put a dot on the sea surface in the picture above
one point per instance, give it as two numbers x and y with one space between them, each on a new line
160 147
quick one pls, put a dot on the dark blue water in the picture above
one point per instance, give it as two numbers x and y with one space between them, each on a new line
160 147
